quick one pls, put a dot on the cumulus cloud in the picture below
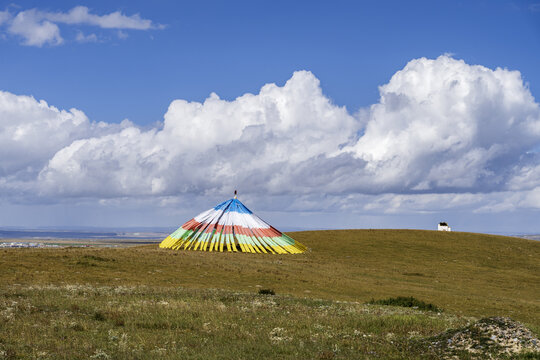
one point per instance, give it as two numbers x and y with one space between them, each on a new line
37 28
31 132
444 125
443 132
205 147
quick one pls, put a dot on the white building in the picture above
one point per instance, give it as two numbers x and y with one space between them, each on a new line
443 227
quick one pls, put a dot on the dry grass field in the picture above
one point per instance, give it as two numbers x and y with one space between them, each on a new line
137 301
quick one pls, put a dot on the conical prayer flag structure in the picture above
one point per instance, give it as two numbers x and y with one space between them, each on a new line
231 226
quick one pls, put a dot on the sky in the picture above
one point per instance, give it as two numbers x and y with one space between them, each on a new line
343 114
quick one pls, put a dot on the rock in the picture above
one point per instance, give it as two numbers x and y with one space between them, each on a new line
487 338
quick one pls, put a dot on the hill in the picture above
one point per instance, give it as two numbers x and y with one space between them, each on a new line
468 275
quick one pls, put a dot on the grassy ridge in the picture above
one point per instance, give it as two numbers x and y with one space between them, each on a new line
146 303
466 274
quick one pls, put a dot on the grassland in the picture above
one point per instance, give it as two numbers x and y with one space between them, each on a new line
145 302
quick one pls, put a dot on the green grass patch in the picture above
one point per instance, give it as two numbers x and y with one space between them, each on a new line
404 301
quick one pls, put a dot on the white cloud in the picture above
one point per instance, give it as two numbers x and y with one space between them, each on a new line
82 38
208 146
444 135
122 34
35 30
114 20
4 16
31 132
443 124
38 28
526 176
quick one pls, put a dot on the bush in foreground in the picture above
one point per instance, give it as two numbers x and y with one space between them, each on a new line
406 302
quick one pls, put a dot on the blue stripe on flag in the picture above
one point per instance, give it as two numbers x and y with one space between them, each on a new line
223 205
233 205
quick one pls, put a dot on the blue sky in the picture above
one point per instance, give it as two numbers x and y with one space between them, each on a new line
231 48
188 50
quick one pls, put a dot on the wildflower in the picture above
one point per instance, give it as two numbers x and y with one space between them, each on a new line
278 335
100 354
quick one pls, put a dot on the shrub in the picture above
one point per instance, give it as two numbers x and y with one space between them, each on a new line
406 302
266 292
99 316
97 258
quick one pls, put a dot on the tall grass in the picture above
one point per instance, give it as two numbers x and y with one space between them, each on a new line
142 322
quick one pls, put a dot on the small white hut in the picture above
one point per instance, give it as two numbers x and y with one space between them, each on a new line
443 227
